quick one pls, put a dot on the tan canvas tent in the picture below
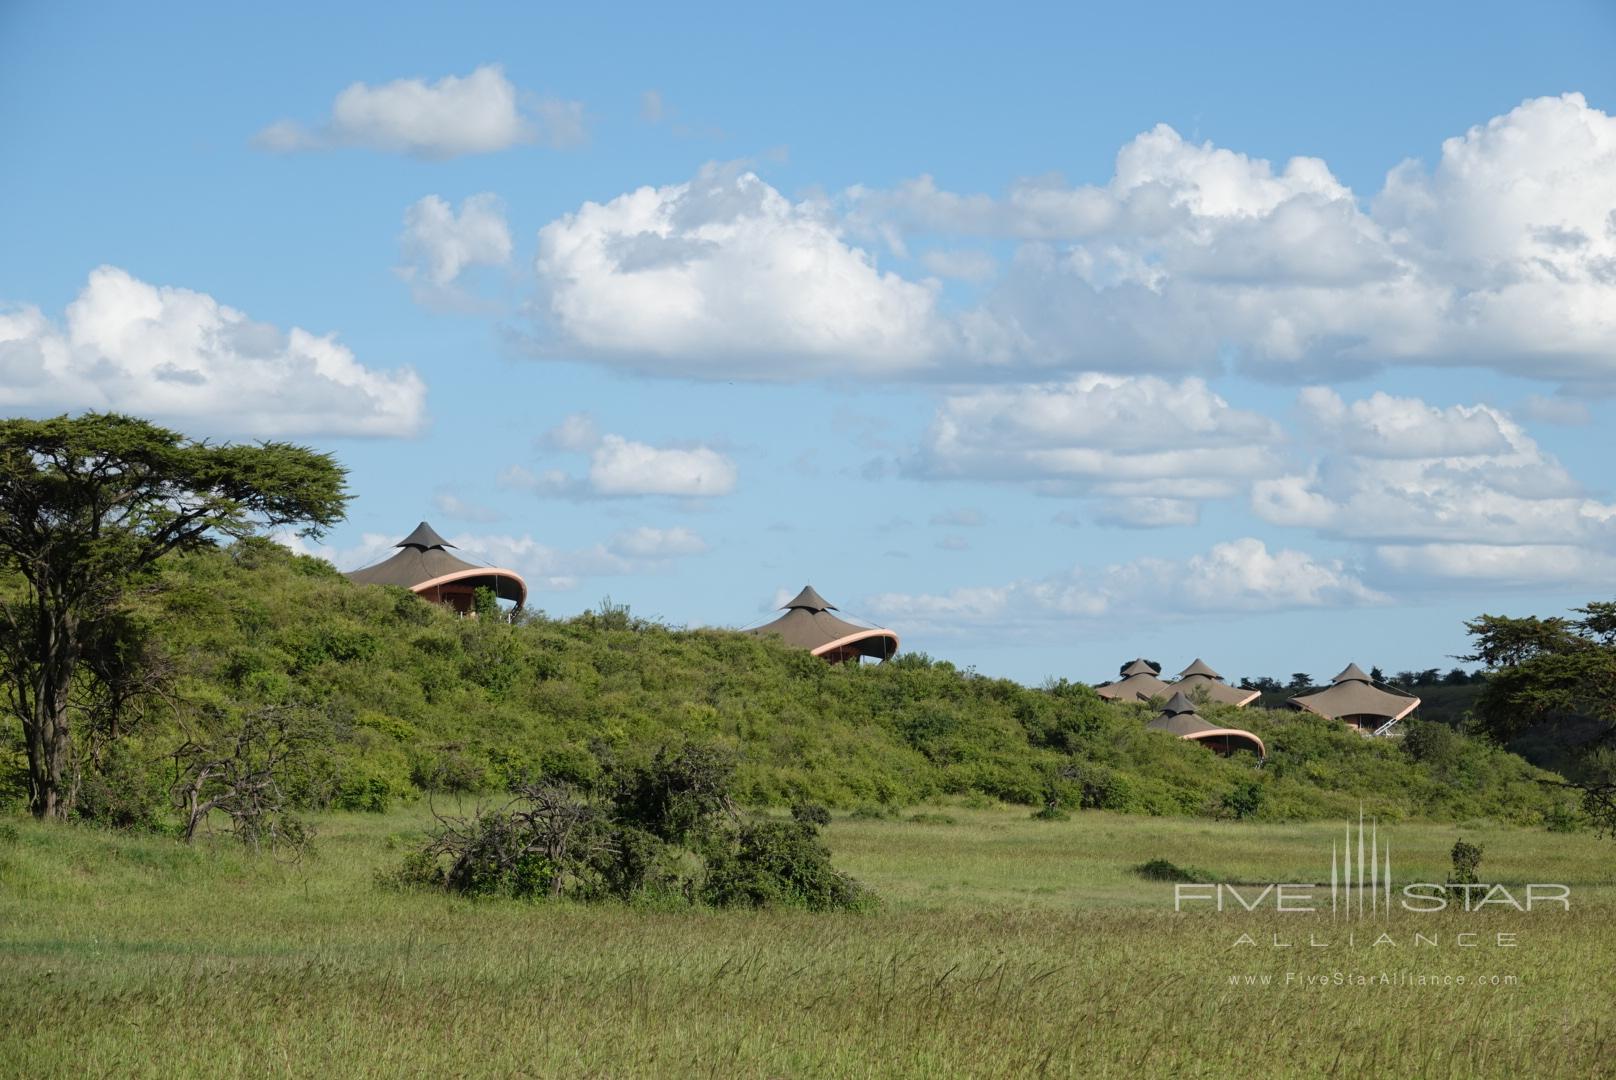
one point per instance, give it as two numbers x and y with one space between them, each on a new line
1199 679
1354 698
424 566
1139 682
809 624
1179 718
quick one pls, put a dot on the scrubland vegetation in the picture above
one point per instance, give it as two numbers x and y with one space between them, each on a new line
398 699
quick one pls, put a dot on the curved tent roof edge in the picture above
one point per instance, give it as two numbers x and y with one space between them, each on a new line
854 639
501 577
1179 718
1237 733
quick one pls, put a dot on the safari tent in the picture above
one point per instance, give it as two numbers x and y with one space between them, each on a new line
809 624
1353 698
1179 718
424 566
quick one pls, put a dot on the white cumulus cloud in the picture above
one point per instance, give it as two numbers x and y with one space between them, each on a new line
1413 472
1148 512
456 506
175 354
1132 437
1236 576
1446 493
1498 564
1191 256
620 466
472 114
722 276
439 243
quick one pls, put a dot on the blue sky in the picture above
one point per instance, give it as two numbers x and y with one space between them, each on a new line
1048 336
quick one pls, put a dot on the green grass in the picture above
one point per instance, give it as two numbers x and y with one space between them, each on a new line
1006 946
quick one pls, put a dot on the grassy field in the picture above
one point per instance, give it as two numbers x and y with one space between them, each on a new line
1006 946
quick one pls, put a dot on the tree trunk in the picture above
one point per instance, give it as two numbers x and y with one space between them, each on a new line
50 742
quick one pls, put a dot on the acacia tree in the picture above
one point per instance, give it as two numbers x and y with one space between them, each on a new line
1557 675
88 505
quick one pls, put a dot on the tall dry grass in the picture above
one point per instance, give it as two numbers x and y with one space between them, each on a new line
1006 947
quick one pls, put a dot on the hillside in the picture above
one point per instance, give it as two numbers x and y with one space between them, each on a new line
417 700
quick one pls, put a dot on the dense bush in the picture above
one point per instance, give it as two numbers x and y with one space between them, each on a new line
769 863
665 831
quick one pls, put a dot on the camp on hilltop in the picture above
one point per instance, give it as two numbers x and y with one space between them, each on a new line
424 566
809 624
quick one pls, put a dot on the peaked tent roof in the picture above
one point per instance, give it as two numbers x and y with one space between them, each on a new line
809 624
423 563
1139 683
809 600
1179 705
1199 676
1351 673
424 537
1179 718
1352 693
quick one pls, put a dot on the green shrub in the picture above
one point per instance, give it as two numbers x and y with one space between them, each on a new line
1244 800
772 863
1164 870
494 854
1466 863
448 769
1561 818
123 791
362 791
811 814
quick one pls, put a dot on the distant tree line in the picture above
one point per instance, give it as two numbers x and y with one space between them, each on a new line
1553 683
1301 681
